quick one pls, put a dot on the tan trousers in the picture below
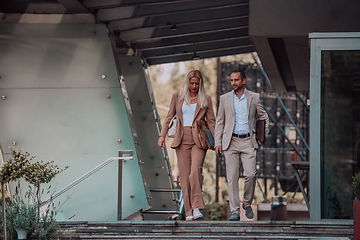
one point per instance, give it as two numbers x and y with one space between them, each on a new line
190 161
240 149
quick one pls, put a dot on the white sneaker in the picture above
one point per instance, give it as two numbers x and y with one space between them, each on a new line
197 214
189 218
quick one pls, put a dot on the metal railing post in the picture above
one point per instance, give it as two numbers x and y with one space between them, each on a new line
120 155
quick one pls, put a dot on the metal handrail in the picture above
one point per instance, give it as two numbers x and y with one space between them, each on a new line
86 175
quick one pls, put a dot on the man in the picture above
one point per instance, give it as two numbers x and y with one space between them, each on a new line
235 136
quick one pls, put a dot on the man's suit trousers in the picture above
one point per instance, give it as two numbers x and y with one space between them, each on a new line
190 161
240 149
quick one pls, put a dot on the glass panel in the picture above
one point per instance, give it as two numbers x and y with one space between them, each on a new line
340 133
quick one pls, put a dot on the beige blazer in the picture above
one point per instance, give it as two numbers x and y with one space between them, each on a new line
200 113
225 120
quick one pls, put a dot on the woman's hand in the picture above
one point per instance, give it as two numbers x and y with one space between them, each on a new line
161 142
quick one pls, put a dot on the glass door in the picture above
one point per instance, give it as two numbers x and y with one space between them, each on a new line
334 123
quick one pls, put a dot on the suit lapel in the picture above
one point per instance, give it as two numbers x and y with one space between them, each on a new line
231 104
197 110
179 110
248 102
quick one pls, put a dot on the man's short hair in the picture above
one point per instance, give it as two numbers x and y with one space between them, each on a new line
237 70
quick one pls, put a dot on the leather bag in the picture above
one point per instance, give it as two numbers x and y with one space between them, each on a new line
204 134
172 127
260 131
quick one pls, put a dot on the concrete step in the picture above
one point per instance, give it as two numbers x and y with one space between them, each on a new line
207 230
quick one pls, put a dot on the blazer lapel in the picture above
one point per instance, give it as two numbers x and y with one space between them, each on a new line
248 102
231 105
197 110
179 110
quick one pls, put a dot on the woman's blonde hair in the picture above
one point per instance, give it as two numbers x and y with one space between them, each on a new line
185 95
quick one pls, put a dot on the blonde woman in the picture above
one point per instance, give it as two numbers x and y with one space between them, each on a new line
190 105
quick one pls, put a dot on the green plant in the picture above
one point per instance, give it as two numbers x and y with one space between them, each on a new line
16 167
335 204
356 186
23 212
217 211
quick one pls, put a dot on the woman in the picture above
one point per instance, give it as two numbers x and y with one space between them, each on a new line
190 105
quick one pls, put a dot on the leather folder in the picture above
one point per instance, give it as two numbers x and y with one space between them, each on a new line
260 131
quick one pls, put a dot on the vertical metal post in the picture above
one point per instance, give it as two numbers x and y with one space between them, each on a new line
217 179
265 184
121 154
120 188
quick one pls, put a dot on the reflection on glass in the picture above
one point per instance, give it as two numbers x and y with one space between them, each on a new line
340 133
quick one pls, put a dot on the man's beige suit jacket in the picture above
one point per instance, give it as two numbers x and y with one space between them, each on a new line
225 120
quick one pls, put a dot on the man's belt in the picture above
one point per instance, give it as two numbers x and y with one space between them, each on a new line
241 135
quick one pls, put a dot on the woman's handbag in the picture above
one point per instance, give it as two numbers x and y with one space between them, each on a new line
172 127
205 137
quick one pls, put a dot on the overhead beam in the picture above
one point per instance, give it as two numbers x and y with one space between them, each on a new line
47 18
280 55
183 30
112 14
202 55
180 18
32 7
205 37
74 6
200 47
198 53
96 4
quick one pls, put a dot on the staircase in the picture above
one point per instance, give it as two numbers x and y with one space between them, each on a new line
207 230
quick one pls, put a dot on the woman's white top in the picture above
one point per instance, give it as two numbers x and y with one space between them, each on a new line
188 114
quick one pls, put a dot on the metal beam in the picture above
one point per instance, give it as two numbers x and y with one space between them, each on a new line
96 4
152 35
74 6
200 38
46 18
184 18
212 45
193 8
157 33
273 119
201 52
286 137
201 55
303 101
283 106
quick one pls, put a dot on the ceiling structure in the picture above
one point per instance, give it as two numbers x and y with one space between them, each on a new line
181 30
160 31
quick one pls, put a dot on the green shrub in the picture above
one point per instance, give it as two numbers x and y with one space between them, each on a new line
23 213
216 211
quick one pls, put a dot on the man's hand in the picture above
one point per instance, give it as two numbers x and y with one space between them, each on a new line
260 143
218 150
161 142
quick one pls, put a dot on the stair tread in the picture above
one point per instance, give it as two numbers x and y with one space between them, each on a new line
206 229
